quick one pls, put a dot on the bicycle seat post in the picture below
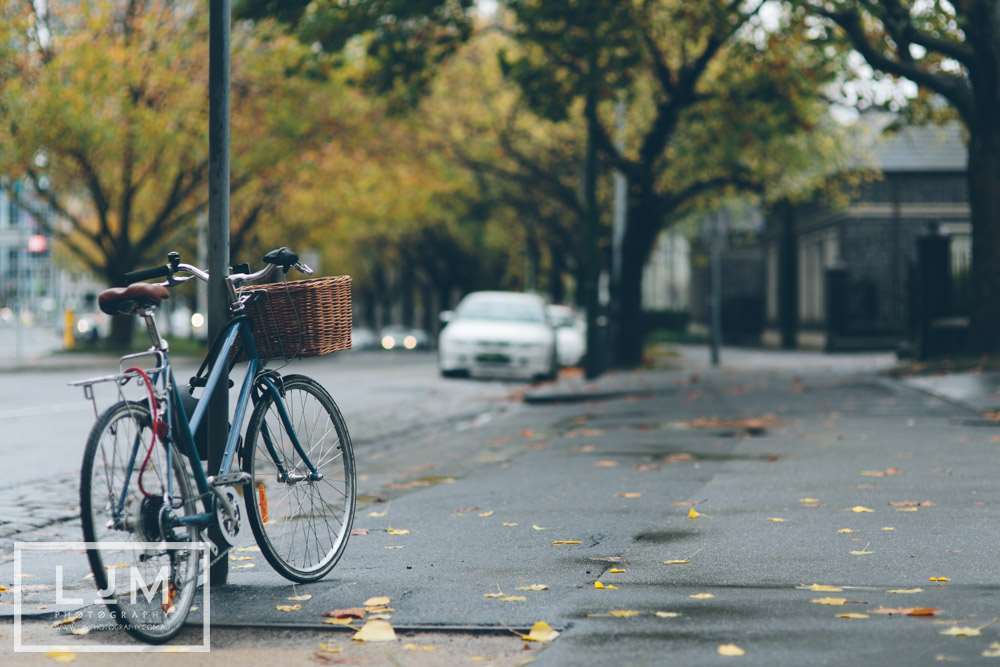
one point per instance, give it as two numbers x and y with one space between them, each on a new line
154 334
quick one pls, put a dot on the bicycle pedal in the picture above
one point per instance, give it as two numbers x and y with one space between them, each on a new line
230 479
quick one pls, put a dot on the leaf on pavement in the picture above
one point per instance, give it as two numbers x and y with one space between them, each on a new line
702 596
378 515
905 591
676 561
624 613
993 651
616 570
961 631
426 648
809 502
288 608
378 601
667 614
906 611
67 620
605 463
512 598
300 598
730 650
61 656
911 505
487 514
80 632
559 542
693 513
535 526
509 524
852 616
888 529
600 585
540 632
350 613
377 630
845 531
359 532
833 602
533 587
862 552
943 580
326 647
820 588
398 531
858 509
775 519
888 472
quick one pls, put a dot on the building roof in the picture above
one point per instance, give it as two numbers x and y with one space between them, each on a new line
915 147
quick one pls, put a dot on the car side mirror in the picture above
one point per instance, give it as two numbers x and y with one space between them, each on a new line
446 316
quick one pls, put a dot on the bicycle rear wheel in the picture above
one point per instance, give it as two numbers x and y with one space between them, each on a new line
148 589
301 525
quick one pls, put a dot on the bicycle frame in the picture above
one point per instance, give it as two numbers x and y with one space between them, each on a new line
218 363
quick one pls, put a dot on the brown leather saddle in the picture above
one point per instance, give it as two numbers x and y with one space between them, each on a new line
125 300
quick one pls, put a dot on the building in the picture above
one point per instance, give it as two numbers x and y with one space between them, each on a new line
871 242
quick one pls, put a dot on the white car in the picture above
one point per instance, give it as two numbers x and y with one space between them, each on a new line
571 334
498 334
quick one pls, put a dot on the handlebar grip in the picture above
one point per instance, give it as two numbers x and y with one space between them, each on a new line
146 274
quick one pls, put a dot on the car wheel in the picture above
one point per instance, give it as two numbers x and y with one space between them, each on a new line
453 373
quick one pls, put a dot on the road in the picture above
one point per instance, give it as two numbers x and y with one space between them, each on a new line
801 537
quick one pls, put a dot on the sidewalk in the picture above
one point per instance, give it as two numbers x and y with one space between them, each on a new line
705 502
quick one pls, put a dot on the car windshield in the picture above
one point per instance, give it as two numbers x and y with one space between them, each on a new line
501 310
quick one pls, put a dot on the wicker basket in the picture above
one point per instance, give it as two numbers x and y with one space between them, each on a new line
301 318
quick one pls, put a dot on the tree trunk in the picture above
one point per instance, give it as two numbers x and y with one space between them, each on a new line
122 331
641 229
984 203
406 289
788 275
557 291
427 315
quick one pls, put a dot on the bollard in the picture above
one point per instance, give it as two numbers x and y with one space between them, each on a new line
69 329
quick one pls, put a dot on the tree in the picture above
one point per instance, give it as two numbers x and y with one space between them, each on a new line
952 50
113 139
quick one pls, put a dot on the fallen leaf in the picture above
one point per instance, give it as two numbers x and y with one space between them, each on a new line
858 509
960 631
80 632
394 546
509 524
61 656
533 587
628 494
300 598
512 598
821 588
540 632
616 570
911 505
888 472
378 601
287 608
487 514
676 561
809 502
359 532
923 611
377 630
861 552
338 621
888 529
535 526
833 602
426 648
397 531
378 515
693 513
237 559
352 612
852 616
905 611
67 620
731 650
845 531
939 579
775 519
667 614
558 542
702 596
994 649
602 586
329 648
905 591
624 613
605 463
245 566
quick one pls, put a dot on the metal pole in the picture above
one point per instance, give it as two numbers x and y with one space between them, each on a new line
717 238
220 13
620 212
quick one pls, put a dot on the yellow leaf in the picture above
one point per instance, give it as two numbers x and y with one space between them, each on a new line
398 531
600 585
3 589
676 561
628 494
338 621
616 570
887 529
775 519
67 620
606 463
624 613
377 630
541 632
993 651
821 588
702 596
486 515
731 650
853 616
667 614
426 648
288 607
80 632
330 648
809 501
833 602
377 515
512 598
509 524
693 513
858 509
300 598
494 596
959 631
533 587
378 601
905 591
535 526
61 656
845 531
558 542
861 552
939 579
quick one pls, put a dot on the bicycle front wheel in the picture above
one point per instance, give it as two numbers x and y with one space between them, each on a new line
146 574
301 524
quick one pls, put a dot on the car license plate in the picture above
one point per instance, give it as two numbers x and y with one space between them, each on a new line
493 358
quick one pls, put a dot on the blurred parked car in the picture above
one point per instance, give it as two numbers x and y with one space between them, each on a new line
571 334
401 338
363 338
499 334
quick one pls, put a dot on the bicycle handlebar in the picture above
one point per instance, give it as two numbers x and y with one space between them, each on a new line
168 271
145 274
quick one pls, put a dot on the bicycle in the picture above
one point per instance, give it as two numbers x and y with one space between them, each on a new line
143 476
